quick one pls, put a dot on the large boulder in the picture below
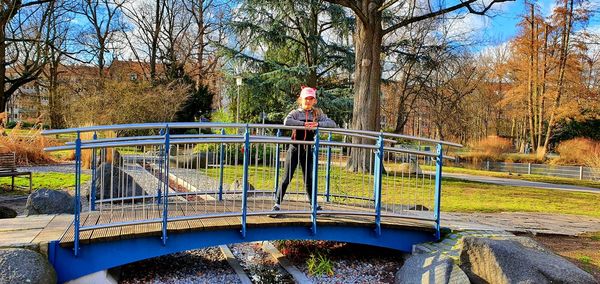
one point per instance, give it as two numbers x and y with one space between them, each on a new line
430 268
193 161
113 182
239 185
519 260
409 168
19 265
6 212
49 201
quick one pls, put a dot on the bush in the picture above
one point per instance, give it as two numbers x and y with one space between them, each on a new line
28 146
491 148
578 151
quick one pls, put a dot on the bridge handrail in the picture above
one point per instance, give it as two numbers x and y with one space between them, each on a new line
200 125
151 140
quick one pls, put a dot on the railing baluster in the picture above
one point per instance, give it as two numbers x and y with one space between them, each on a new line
328 171
221 153
94 177
245 179
160 171
315 179
77 193
377 183
276 186
438 190
166 184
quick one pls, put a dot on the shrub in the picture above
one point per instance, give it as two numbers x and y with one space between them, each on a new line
578 151
28 146
491 148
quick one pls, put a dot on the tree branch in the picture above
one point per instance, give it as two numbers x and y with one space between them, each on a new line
466 4
353 6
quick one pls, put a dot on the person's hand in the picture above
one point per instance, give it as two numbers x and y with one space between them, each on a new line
311 124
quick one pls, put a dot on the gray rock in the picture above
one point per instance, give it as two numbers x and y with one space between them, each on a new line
238 185
6 212
194 161
49 201
430 268
25 266
519 260
409 168
123 185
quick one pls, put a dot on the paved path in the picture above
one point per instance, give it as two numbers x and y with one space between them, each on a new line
519 182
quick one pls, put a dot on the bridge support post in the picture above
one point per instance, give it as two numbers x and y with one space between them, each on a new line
166 184
377 183
160 171
328 171
245 179
276 186
315 179
438 189
221 153
94 177
77 200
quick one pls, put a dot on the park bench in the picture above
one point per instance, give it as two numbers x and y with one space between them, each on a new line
8 168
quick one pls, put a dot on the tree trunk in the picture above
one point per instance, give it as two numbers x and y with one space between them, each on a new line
530 112
154 44
3 97
367 81
564 53
543 87
200 59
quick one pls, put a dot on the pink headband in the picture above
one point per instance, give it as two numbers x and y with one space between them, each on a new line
308 92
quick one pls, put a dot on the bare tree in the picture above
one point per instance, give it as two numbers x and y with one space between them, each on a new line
148 17
22 44
103 22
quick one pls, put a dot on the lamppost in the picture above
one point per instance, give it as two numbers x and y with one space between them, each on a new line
238 82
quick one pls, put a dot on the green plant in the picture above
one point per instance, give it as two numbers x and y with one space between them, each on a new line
319 264
585 259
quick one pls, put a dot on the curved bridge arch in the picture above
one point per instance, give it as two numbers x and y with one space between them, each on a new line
158 194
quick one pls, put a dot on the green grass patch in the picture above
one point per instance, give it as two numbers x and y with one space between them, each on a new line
457 195
60 181
537 178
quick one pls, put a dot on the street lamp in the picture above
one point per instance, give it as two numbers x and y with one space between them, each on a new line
238 82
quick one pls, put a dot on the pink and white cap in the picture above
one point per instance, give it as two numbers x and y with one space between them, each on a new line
308 92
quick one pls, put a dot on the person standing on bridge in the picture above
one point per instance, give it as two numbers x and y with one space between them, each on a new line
310 117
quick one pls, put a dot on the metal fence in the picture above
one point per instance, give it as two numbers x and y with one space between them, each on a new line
162 177
575 172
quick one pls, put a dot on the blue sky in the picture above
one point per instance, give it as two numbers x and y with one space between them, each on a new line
501 26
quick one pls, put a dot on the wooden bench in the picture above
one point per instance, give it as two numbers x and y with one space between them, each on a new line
8 168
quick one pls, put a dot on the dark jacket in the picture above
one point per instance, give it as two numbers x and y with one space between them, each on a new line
299 116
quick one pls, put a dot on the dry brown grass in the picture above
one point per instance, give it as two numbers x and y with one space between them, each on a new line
490 148
578 151
28 146
86 155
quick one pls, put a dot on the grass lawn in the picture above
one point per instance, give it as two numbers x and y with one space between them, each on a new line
457 195
538 178
41 180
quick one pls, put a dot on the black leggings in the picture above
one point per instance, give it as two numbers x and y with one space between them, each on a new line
295 154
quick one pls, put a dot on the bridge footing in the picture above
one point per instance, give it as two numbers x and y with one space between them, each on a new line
100 256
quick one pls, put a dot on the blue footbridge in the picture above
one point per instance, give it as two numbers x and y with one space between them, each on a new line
161 188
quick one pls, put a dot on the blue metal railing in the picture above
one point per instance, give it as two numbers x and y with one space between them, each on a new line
164 141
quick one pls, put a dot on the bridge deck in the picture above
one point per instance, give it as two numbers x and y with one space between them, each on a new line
177 210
